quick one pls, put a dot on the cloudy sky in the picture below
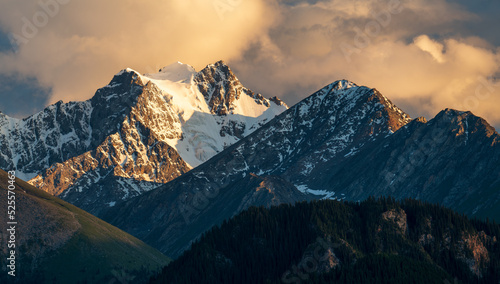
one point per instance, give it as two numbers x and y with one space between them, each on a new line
425 55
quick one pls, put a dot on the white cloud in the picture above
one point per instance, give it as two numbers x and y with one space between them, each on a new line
432 47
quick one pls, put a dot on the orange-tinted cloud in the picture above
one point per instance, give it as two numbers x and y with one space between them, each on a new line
382 44
413 51
84 43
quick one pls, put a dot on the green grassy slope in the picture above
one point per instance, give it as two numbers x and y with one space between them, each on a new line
60 243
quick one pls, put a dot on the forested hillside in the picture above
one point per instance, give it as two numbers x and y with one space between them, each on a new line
375 241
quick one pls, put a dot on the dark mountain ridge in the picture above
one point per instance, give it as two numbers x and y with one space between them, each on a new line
452 160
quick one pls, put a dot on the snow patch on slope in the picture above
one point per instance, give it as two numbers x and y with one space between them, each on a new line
201 130
325 193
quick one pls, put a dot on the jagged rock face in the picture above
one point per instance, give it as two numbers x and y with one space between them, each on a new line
62 131
113 102
147 130
137 149
48 137
474 252
225 95
221 89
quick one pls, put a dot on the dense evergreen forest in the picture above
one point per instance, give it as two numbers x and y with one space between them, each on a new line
375 241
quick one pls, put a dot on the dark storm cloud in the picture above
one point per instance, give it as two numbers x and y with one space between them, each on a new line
21 97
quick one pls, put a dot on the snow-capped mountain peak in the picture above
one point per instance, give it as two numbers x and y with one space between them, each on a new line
343 85
135 132
214 109
175 72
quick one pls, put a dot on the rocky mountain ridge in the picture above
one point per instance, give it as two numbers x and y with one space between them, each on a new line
338 119
135 133
451 160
